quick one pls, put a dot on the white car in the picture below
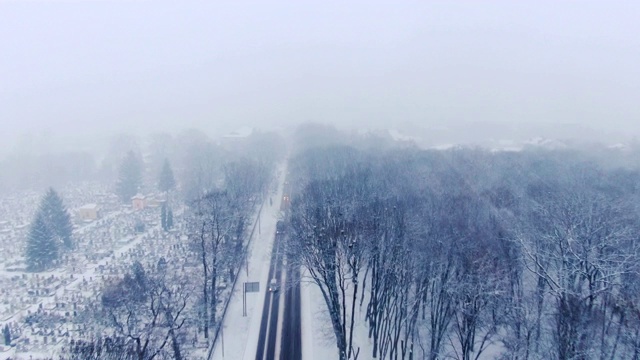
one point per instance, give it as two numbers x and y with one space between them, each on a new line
273 285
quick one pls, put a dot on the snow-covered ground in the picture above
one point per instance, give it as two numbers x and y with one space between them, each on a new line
239 334
318 340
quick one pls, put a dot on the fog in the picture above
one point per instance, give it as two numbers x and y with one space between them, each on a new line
72 70
319 180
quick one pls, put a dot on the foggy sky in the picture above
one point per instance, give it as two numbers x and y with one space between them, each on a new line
91 67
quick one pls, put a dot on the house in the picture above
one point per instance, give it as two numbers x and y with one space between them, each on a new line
89 212
138 202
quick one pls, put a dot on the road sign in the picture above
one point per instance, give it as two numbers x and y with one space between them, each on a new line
248 287
252 287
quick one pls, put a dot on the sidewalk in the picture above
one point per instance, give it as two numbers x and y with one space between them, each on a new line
239 334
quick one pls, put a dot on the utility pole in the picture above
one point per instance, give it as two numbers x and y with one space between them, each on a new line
244 299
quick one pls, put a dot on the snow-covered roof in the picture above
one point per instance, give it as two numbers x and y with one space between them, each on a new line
446 146
397 136
138 197
551 144
242 132
88 207
618 146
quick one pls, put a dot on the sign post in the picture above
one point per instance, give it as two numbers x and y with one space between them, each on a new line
248 287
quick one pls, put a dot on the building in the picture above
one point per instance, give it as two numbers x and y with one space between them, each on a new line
138 202
89 212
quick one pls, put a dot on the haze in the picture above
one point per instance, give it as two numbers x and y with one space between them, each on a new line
327 180
86 68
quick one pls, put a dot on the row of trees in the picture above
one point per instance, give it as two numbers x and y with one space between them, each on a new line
466 253
197 157
130 177
217 227
50 233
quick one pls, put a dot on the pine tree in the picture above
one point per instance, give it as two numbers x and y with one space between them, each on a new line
163 216
169 219
7 335
130 177
166 181
58 218
42 247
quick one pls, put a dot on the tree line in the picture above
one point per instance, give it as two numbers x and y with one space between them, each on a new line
469 253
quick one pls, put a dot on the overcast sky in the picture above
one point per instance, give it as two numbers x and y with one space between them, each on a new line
103 66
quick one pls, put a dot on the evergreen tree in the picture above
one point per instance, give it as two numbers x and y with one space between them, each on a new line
42 247
7 335
166 181
169 219
163 216
58 218
130 177
162 265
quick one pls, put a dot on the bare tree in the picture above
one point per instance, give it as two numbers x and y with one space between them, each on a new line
212 225
580 253
147 311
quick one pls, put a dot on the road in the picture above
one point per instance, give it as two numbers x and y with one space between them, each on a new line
287 277
269 323
291 343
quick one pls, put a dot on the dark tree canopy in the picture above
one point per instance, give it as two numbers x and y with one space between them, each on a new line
7 335
166 181
166 217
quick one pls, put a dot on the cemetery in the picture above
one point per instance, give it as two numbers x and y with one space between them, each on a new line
45 311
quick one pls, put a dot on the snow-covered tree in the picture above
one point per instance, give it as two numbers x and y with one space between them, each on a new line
42 247
212 223
58 218
147 309
581 247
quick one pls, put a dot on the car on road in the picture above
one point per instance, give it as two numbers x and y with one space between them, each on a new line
280 227
273 285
